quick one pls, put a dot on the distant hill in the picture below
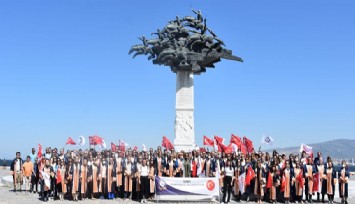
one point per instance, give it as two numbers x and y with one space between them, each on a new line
340 148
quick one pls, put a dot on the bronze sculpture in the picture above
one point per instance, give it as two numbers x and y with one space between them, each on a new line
184 44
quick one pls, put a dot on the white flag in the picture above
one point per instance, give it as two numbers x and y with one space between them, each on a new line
144 148
267 140
47 179
103 145
81 141
306 148
241 182
235 147
123 143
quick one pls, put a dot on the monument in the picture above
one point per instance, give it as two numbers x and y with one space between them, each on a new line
188 47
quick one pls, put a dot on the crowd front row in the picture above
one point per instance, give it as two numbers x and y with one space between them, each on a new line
130 174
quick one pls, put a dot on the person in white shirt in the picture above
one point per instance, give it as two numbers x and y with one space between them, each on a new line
144 182
228 172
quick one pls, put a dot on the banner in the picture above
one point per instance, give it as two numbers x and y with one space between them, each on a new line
185 189
241 182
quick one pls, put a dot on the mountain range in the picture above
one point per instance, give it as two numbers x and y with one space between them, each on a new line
339 148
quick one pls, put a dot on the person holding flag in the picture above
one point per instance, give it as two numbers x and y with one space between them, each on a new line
272 183
238 170
61 181
298 181
259 181
47 173
249 176
309 170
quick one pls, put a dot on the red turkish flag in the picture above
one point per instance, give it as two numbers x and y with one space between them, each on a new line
300 178
218 139
194 168
39 153
248 144
243 149
95 140
70 141
122 145
202 149
59 177
236 140
135 148
283 167
207 141
316 182
113 147
283 183
167 144
229 149
224 148
269 181
250 175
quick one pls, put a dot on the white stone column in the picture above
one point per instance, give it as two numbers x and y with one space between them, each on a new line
184 119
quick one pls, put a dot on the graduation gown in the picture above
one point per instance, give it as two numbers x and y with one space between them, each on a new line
275 184
309 172
119 173
151 178
331 177
111 173
288 174
299 181
75 174
102 178
259 181
170 169
159 166
63 181
95 171
83 180
343 177
322 180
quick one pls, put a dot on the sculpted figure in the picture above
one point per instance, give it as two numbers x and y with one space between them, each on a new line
184 43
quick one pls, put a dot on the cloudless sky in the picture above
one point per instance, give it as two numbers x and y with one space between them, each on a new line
65 71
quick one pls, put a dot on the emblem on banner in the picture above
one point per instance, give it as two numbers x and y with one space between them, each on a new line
210 185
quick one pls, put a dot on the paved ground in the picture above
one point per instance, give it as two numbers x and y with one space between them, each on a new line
7 196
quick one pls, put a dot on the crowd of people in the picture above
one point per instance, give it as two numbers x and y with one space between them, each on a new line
130 174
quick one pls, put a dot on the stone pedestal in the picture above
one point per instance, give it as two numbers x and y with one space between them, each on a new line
184 119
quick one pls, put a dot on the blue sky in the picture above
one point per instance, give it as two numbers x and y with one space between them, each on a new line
65 71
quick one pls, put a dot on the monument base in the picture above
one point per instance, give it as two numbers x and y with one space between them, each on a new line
184 120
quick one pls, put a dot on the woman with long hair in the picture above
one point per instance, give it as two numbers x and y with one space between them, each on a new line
330 176
228 172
